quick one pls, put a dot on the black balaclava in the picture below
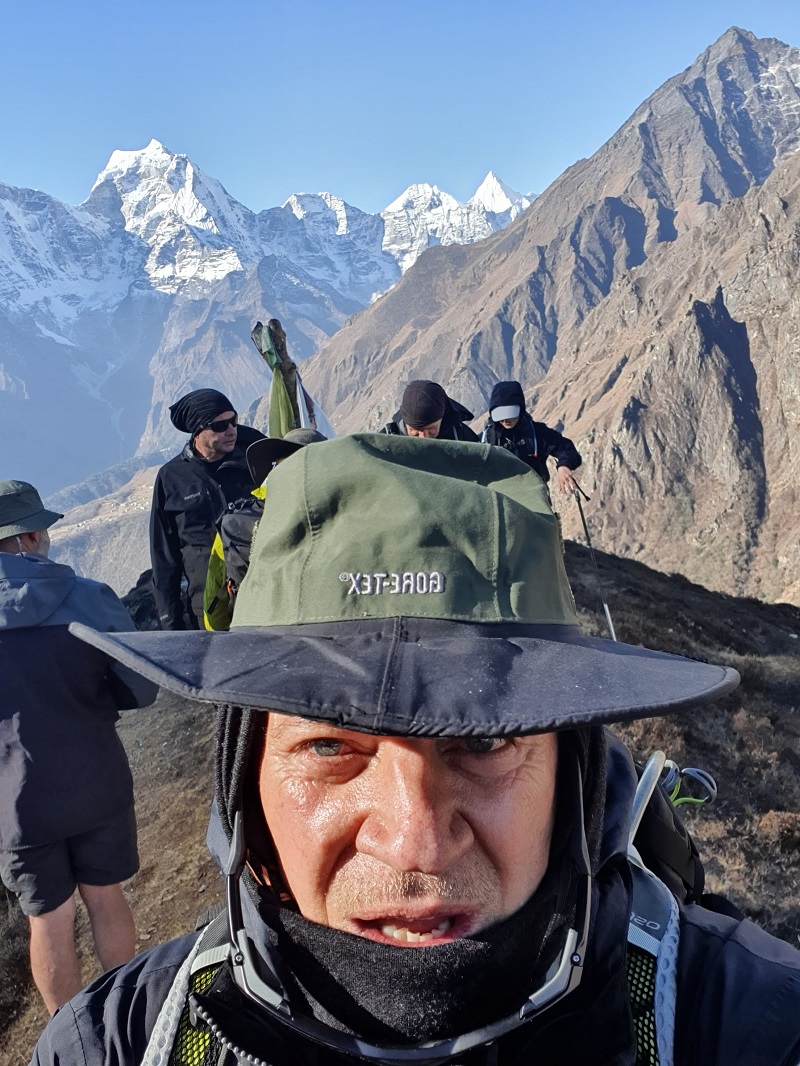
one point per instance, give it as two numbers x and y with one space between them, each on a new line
423 402
506 394
197 409
425 993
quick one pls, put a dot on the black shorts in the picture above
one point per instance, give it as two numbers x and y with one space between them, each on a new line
44 877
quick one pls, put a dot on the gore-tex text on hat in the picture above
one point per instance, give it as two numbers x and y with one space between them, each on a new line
417 582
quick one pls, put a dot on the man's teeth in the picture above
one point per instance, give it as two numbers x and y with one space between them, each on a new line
409 937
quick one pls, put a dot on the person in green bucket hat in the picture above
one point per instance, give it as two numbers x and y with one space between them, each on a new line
428 835
67 822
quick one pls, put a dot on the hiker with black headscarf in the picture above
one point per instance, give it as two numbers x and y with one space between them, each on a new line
511 427
190 494
431 843
427 411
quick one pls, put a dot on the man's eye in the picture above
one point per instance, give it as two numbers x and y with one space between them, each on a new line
483 745
325 746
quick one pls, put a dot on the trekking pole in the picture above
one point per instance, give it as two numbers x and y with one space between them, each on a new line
577 492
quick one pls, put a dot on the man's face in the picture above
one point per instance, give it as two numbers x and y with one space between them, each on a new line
406 841
431 430
509 423
212 444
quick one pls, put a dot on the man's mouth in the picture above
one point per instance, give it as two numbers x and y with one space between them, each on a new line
417 932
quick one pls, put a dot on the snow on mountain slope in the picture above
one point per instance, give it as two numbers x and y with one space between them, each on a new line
56 259
424 215
333 242
193 229
500 199
150 287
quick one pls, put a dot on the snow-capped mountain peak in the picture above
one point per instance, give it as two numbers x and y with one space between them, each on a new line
119 297
422 196
123 162
424 215
322 208
497 197
169 203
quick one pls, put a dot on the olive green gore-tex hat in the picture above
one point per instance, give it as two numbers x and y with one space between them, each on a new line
415 587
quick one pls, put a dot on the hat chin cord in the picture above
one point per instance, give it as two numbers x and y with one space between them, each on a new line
267 991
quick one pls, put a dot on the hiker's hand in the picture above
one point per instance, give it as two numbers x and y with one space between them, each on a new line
566 482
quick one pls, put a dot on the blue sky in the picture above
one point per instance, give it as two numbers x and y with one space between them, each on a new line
356 97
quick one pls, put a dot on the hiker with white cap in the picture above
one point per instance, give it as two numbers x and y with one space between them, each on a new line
511 427
423 823
66 794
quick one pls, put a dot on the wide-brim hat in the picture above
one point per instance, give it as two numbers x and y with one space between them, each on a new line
262 455
22 510
414 587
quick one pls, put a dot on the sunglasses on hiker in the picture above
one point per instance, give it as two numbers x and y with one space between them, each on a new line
222 424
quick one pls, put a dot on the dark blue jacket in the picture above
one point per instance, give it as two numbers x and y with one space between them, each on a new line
532 442
63 770
738 1001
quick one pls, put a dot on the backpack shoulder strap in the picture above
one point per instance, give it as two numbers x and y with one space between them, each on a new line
214 945
652 961
172 1018
173 1032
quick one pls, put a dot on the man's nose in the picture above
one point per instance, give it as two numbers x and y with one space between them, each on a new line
412 822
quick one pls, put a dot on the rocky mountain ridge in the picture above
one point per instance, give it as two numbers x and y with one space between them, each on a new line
684 393
646 303
110 310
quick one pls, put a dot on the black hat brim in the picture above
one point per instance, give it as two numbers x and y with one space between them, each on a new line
262 455
422 677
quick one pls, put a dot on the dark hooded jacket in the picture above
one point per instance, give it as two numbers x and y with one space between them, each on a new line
738 989
453 425
63 770
532 442
189 497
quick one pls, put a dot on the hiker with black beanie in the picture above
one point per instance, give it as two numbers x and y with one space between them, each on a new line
190 494
427 411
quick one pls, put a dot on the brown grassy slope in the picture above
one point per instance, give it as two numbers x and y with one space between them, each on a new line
750 741
749 840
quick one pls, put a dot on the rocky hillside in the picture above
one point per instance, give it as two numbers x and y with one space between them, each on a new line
469 316
749 840
646 302
683 391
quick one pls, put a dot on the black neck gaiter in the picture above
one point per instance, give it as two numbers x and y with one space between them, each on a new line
395 995
398 995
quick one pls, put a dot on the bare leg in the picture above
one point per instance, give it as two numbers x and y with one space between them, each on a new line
54 961
112 923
